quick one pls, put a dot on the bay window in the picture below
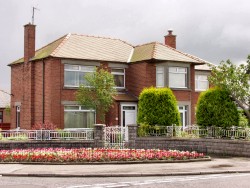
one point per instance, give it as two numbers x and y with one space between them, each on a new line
76 116
119 77
159 76
178 77
74 74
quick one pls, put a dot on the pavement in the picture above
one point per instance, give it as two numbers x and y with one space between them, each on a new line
217 165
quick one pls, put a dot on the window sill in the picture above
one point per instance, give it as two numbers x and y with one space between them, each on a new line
181 89
198 91
70 88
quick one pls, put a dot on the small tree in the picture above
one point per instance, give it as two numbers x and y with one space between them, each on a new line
97 92
235 80
158 106
216 108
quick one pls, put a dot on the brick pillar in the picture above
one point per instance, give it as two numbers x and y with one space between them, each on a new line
132 135
99 136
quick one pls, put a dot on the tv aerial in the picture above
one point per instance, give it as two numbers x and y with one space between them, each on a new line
33 14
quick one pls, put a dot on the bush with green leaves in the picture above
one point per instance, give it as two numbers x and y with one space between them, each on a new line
158 106
243 121
216 108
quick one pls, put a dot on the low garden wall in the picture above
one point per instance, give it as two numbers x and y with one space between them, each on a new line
209 146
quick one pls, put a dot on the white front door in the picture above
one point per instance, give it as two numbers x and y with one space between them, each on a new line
184 115
128 116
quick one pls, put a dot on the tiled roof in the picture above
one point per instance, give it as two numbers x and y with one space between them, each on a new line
93 48
4 99
160 51
85 47
106 49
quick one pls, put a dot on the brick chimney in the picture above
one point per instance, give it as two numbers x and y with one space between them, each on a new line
170 39
29 41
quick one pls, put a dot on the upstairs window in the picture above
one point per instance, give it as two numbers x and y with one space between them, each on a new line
201 82
119 77
74 74
178 77
159 76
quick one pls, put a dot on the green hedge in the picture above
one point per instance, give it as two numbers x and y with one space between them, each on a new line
216 108
158 106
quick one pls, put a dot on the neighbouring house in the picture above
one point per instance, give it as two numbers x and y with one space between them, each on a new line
4 110
44 81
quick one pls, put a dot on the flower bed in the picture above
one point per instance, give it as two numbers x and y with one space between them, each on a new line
93 155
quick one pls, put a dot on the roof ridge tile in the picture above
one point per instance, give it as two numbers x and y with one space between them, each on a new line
66 37
154 50
144 44
101 37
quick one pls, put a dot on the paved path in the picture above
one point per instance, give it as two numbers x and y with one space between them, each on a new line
216 165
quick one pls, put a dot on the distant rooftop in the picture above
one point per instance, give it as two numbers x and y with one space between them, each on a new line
4 99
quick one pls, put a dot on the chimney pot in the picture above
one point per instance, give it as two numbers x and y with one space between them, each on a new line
170 31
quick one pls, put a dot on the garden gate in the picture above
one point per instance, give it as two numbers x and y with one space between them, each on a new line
115 137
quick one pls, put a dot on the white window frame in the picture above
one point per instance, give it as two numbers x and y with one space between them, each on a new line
178 72
81 68
185 112
198 81
80 109
160 71
119 73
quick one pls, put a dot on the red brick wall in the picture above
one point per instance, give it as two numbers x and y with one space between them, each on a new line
22 89
139 76
193 99
113 116
16 90
38 92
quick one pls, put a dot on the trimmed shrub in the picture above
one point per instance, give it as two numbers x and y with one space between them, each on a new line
216 108
158 106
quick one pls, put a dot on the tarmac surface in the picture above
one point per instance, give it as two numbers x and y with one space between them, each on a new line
217 165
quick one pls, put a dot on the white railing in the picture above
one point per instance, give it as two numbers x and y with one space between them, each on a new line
194 131
65 134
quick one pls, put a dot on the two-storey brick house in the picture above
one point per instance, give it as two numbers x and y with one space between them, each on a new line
44 82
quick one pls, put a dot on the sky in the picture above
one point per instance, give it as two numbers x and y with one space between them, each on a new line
213 30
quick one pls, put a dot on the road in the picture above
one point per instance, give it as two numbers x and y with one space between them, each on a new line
205 181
